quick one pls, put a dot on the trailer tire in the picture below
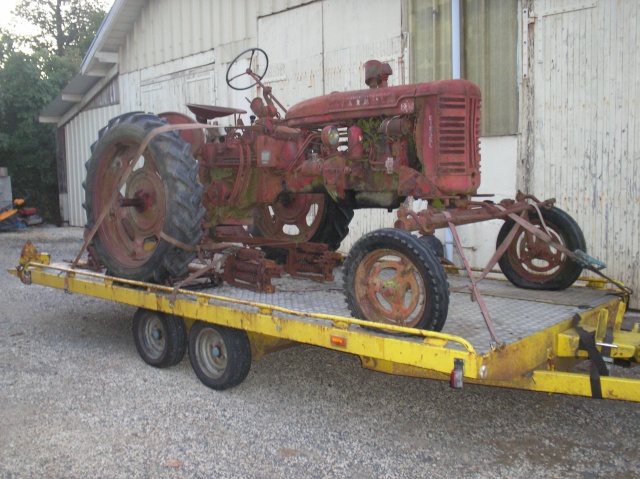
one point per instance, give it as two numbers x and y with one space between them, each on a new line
220 356
521 264
131 242
390 270
161 339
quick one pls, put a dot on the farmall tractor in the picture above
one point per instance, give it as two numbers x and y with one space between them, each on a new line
251 201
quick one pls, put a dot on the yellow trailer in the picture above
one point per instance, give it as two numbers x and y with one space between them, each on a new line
556 342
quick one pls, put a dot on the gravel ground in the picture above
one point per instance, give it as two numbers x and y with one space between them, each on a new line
76 401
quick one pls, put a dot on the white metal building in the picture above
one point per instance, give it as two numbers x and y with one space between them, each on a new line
560 85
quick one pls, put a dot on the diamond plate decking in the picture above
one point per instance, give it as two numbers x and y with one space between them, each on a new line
516 313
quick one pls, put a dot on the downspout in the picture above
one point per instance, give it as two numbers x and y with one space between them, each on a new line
456 16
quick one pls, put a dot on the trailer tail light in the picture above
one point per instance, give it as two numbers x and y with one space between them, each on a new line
338 341
456 379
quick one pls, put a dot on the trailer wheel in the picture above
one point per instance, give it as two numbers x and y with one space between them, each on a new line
299 218
161 339
392 277
220 356
161 198
530 263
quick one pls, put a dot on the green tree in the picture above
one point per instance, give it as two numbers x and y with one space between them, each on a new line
63 25
27 147
33 70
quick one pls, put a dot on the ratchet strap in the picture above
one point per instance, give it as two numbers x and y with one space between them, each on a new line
598 366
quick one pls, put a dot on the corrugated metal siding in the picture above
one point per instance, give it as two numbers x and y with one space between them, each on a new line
168 30
81 132
585 152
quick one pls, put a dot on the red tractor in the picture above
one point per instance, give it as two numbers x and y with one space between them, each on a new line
163 189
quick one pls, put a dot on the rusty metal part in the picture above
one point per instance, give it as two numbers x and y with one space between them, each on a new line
209 112
473 284
389 289
195 138
430 219
312 261
396 126
293 218
249 269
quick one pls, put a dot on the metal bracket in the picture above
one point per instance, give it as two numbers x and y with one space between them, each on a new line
312 261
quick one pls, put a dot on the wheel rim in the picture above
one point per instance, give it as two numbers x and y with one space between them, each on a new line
533 259
153 337
292 218
389 288
212 352
131 230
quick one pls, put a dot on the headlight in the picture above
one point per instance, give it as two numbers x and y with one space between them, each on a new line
330 136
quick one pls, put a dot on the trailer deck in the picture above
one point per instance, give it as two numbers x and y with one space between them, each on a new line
539 331
516 313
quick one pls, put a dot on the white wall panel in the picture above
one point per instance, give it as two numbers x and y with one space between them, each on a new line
80 133
168 30
353 33
293 41
585 150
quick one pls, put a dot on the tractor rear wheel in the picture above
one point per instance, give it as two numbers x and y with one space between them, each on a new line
300 218
530 263
160 199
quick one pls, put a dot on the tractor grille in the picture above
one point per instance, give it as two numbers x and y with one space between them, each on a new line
457 119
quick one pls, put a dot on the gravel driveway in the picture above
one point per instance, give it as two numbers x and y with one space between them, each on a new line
76 401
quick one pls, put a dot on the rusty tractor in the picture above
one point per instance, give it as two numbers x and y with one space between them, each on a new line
277 194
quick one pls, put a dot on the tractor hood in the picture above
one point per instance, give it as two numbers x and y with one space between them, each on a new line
391 100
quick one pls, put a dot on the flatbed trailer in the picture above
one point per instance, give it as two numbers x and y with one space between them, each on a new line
545 338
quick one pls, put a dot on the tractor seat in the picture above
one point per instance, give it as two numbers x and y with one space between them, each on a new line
206 112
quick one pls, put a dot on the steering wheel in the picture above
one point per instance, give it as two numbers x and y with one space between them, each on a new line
253 55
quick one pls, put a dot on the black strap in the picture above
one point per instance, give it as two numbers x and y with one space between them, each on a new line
598 366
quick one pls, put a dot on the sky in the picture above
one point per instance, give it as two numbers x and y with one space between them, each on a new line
5 12
6 6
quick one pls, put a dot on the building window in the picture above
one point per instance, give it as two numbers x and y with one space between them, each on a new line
489 40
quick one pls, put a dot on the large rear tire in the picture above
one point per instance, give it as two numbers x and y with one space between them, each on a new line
530 263
163 193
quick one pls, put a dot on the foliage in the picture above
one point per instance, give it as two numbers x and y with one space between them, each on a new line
63 25
33 70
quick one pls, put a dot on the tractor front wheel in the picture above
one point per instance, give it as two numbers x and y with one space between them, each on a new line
394 278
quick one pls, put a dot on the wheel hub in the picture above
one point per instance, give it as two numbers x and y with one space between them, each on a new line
390 291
